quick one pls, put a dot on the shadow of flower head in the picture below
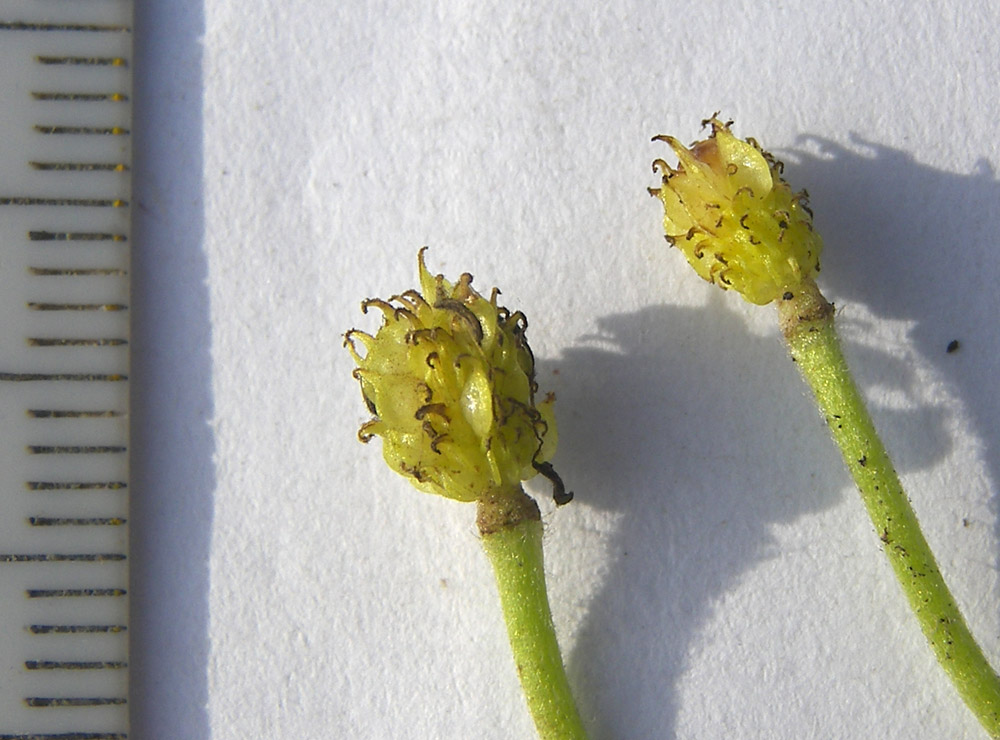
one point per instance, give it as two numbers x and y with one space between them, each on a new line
683 423
917 243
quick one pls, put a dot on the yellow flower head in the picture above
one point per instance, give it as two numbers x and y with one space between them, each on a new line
450 381
737 221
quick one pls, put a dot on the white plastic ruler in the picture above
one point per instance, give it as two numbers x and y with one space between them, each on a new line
65 115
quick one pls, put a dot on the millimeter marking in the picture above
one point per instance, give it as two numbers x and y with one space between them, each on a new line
65 192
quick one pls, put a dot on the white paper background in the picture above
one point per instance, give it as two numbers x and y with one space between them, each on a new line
716 575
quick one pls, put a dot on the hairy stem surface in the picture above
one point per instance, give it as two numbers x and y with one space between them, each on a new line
512 539
807 324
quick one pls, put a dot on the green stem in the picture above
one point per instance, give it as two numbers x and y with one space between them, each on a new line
511 531
807 323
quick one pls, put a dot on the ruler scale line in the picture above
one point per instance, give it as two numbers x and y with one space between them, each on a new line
32 306
68 236
79 166
74 593
74 97
74 665
72 413
56 558
51 342
50 27
84 130
25 200
92 521
46 702
84 61
76 449
77 629
68 736
52 377
78 272
34 485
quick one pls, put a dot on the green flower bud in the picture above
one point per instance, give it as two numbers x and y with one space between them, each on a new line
450 381
736 220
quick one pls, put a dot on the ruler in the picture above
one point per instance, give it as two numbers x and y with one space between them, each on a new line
65 115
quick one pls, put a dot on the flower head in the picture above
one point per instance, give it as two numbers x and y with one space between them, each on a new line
450 381
737 221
